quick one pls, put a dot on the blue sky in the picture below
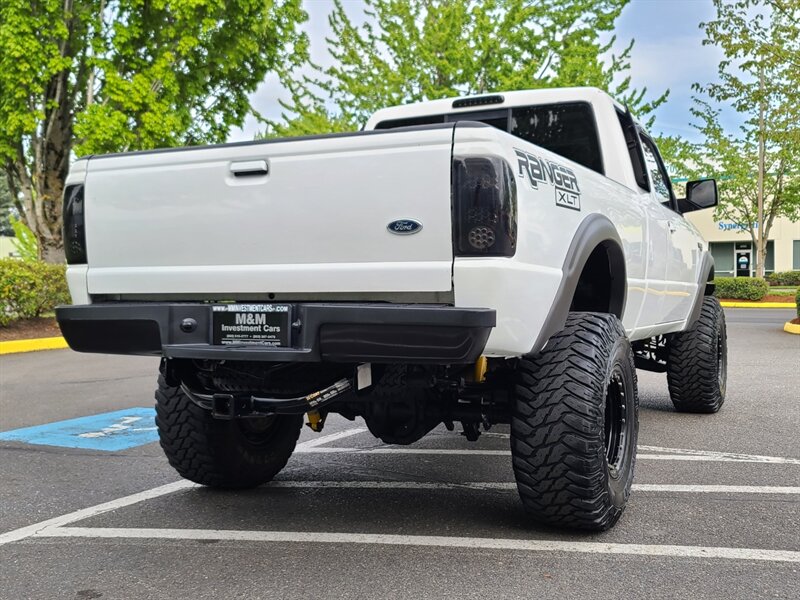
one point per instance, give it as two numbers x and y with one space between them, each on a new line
668 54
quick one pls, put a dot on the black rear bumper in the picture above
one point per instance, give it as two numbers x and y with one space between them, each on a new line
337 332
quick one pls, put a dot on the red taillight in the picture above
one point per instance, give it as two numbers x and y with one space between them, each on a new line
484 207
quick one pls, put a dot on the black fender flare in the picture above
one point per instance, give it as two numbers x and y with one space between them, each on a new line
595 230
705 276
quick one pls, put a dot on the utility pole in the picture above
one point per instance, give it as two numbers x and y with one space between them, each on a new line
761 253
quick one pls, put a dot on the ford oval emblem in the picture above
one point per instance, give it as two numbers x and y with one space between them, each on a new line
404 226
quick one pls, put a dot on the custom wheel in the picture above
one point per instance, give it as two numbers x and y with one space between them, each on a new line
697 362
575 424
232 454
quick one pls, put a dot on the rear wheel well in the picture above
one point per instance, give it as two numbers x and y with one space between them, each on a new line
601 286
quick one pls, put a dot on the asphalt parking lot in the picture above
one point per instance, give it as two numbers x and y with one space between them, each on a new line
715 512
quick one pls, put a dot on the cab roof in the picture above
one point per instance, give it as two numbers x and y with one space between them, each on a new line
491 101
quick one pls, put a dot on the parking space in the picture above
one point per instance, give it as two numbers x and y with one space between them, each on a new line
715 511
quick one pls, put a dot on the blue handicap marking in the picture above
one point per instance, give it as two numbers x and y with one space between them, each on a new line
112 431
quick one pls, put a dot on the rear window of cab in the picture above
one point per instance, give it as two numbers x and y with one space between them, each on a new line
568 129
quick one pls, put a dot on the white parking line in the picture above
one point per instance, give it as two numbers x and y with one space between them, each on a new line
426 540
716 489
504 486
55 527
396 485
325 439
393 450
729 456
80 515
85 513
49 526
678 454
695 455
773 460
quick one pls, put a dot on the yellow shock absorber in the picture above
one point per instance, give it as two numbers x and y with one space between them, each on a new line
480 369
316 421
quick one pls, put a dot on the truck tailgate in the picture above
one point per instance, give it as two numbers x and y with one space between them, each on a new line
182 222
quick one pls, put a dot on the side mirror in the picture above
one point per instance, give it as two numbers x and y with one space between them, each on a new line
699 195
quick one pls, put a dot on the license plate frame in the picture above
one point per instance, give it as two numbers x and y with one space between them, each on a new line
251 324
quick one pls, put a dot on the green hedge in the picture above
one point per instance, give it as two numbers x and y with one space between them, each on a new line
28 289
790 278
797 302
740 288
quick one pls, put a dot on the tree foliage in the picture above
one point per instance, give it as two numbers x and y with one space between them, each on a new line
92 76
24 241
734 161
760 79
414 50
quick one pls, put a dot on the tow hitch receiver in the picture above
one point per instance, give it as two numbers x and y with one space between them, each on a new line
231 406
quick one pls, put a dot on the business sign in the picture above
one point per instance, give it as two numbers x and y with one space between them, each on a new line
726 226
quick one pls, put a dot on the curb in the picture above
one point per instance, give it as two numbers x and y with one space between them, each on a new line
17 346
733 304
792 328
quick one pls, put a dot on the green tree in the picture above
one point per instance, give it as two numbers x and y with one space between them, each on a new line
414 50
92 76
759 167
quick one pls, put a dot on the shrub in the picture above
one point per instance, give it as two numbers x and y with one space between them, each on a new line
28 289
797 302
790 278
740 288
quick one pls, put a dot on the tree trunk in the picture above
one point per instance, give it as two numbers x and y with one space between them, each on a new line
37 173
761 249
762 255
52 253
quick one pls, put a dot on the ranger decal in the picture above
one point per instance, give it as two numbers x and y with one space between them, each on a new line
539 170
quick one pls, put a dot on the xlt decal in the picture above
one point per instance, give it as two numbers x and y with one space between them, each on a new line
563 179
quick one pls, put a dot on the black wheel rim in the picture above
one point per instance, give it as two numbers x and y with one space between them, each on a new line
616 416
722 359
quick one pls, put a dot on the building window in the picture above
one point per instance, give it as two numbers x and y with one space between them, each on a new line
723 258
796 255
770 262
770 266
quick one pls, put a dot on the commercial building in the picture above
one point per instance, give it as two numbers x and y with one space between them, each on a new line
7 248
733 250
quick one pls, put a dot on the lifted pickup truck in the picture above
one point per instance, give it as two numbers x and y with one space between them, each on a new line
502 259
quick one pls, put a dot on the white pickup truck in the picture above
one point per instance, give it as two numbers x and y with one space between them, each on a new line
508 258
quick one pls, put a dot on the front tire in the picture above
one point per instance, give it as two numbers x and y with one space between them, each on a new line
697 362
575 424
228 454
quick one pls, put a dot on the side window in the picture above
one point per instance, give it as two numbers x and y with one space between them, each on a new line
567 128
661 185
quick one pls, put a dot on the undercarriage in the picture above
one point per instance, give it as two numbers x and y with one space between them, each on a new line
400 403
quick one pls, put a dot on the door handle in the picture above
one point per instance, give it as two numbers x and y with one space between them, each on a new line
249 168
672 226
